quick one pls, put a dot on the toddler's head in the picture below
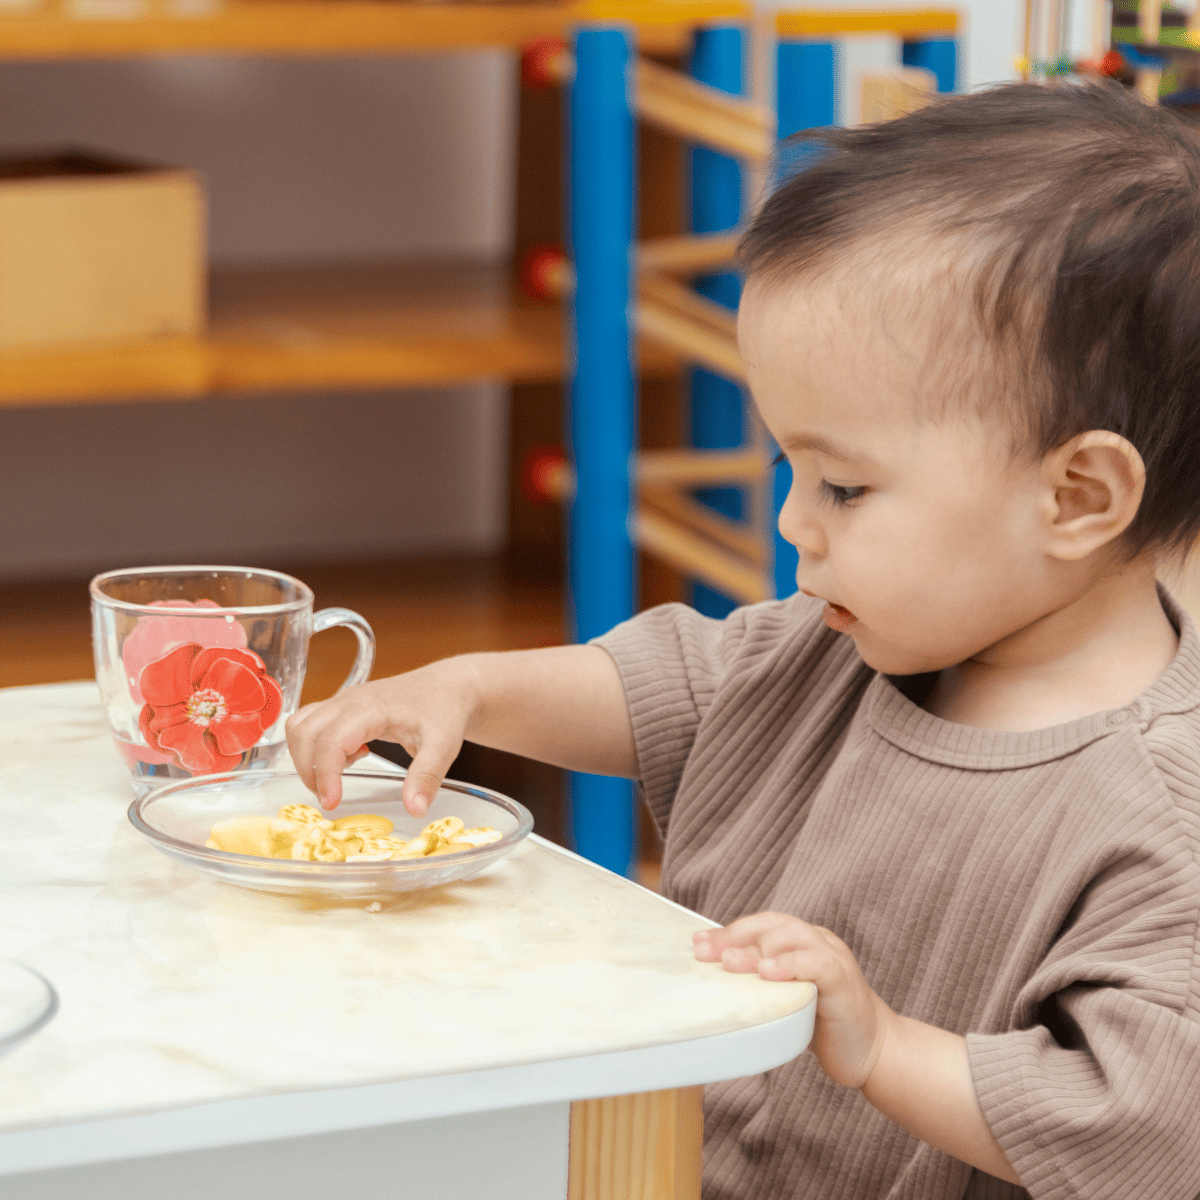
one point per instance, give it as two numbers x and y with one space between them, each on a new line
975 332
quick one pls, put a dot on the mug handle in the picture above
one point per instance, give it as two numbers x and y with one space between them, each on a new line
327 618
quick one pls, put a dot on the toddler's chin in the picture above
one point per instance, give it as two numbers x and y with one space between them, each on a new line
892 660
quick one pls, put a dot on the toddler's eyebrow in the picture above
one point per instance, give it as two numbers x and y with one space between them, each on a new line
824 446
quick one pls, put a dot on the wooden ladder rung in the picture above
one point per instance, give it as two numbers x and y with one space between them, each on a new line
703 96
699 342
688 255
670 468
691 109
682 547
700 468
659 258
703 114
735 536
682 299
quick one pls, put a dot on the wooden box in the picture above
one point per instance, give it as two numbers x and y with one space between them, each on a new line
886 95
96 249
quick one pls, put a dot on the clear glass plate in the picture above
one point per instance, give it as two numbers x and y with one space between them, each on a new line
27 1002
176 819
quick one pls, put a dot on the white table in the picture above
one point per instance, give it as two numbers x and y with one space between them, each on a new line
217 1041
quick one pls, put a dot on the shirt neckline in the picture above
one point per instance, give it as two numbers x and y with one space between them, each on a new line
906 725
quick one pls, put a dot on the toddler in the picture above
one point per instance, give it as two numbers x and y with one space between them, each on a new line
955 781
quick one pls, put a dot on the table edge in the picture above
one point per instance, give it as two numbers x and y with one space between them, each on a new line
327 1110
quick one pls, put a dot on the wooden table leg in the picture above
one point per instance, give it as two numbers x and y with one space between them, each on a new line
646 1146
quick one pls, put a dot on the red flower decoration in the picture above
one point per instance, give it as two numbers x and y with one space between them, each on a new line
154 635
207 706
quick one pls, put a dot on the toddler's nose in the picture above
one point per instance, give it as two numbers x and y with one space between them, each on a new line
806 536
800 525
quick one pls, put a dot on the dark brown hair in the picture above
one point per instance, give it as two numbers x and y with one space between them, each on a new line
1077 212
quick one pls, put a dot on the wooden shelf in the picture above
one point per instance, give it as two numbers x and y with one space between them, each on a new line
903 22
323 328
327 27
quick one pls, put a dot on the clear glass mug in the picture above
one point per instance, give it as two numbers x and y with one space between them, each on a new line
199 667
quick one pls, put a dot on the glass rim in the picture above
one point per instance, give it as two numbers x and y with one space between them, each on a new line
98 596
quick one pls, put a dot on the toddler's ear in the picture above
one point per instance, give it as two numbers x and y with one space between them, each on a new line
1093 485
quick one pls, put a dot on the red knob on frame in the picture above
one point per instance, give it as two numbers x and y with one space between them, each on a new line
545 273
545 63
543 473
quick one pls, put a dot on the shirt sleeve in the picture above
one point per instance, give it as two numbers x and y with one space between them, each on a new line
671 660
1098 1097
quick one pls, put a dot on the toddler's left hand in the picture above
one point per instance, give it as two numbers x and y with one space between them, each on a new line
852 1022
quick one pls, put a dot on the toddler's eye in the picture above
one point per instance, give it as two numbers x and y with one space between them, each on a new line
839 495
779 458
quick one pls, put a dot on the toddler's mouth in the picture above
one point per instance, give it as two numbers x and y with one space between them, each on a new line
838 618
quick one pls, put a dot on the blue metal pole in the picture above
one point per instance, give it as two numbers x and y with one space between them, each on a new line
806 91
602 418
717 405
939 55
806 86
787 558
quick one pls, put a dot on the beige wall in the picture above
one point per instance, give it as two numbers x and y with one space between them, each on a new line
256 481
334 159
306 158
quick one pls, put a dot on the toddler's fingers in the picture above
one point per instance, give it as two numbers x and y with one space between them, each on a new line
301 713
298 728
793 935
792 964
819 956
333 750
429 767
745 931
740 961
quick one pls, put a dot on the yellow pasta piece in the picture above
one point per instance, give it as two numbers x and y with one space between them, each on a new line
366 825
346 840
481 835
420 846
382 847
315 845
445 829
284 835
387 842
304 814
244 835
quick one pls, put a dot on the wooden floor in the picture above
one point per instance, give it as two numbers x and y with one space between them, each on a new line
420 610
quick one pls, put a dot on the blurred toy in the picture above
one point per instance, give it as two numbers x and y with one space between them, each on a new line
1145 44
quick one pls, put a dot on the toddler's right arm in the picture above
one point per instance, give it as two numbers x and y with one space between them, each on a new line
563 705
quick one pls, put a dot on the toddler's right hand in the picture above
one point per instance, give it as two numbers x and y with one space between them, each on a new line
427 711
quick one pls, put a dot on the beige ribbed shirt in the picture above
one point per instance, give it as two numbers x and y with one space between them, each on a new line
1037 892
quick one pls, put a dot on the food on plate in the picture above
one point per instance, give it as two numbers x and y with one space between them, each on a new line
301 833
304 814
365 825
